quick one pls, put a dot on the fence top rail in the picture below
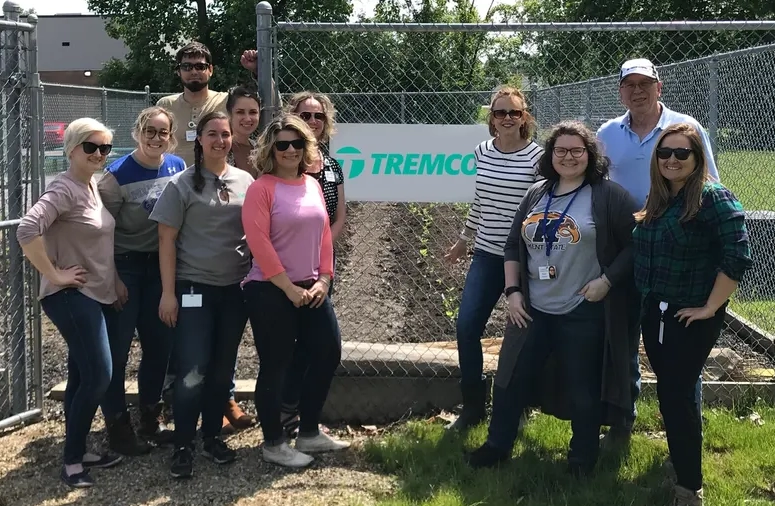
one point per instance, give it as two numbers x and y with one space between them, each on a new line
669 66
643 26
96 88
16 25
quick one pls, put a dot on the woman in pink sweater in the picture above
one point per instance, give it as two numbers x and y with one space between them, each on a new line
288 232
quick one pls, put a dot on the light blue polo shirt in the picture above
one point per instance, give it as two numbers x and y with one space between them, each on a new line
631 157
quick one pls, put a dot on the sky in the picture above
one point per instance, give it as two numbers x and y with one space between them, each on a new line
80 6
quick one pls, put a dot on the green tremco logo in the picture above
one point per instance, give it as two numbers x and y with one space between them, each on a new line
406 164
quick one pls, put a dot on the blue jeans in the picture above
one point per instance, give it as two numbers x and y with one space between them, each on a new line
140 273
285 330
205 348
80 320
483 288
576 339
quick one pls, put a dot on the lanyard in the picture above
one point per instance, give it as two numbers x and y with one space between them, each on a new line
552 236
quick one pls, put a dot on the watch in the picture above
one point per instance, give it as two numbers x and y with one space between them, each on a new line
511 289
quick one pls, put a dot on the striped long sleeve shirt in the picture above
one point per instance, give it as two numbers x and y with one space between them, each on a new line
502 179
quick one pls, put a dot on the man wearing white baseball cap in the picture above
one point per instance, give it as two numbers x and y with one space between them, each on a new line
629 142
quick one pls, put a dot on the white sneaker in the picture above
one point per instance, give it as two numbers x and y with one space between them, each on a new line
320 443
284 455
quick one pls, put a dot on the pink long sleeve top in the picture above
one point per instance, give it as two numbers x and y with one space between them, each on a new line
287 229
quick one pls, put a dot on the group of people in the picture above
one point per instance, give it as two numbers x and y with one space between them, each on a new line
592 238
595 240
204 226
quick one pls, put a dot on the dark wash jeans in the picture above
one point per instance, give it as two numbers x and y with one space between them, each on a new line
140 273
80 320
677 362
576 339
635 383
482 289
205 348
294 377
281 329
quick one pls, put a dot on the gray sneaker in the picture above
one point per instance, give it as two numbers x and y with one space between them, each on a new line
286 456
685 497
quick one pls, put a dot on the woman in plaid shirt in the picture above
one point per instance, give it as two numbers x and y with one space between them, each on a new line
691 251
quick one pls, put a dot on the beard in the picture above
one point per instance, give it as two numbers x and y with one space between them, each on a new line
195 85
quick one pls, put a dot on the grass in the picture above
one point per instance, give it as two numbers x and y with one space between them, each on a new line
759 312
751 176
739 465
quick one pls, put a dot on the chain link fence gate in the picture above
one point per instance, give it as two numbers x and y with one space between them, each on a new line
396 299
21 157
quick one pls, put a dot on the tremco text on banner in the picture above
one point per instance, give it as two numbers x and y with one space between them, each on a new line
408 163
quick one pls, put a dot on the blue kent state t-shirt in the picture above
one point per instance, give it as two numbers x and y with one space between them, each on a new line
129 191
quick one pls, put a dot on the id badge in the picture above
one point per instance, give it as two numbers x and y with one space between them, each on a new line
190 135
330 176
191 299
546 272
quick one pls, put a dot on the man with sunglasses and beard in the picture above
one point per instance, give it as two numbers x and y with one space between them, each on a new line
629 141
194 66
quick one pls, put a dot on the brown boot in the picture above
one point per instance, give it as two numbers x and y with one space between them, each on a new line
227 428
152 425
122 438
685 497
238 418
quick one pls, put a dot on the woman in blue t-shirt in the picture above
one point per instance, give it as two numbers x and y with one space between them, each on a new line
129 189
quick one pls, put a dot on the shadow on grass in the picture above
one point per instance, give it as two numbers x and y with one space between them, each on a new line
429 463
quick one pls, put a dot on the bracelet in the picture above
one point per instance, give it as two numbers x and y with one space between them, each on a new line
325 281
605 280
511 289
465 237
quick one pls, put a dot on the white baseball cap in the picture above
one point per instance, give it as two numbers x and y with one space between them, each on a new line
640 66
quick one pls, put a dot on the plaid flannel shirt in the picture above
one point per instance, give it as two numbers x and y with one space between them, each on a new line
678 262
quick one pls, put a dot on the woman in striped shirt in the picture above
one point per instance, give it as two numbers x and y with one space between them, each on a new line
505 169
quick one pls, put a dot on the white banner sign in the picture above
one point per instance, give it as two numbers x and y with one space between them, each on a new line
408 163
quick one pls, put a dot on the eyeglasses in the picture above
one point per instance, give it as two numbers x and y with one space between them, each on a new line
645 85
284 145
502 113
150 133
89 148
223 190
306 116
576 152
680 153
188 67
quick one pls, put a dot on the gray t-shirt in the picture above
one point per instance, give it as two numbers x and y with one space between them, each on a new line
211 245
573 257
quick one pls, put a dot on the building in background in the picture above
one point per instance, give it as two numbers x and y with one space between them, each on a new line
72 48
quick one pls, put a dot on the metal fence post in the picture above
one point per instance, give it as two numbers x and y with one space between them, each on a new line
15 131
148 95
403 107
104 107
264 63
713 105
38 177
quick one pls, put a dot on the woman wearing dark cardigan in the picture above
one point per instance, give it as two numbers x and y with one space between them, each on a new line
568 268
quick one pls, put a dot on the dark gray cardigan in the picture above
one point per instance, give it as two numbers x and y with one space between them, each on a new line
612 213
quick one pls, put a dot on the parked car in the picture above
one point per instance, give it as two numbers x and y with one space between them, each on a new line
53 134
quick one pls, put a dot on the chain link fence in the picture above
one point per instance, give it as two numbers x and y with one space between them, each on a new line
396 298
20 158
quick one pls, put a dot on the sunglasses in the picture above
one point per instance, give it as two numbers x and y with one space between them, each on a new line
680 153
223 190
89 148
574 152
151 132
284 145
188 67
306 116
502 113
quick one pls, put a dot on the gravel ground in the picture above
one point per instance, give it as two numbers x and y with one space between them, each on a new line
31 458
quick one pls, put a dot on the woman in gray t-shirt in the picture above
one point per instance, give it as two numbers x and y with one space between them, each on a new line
203 257
568 270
